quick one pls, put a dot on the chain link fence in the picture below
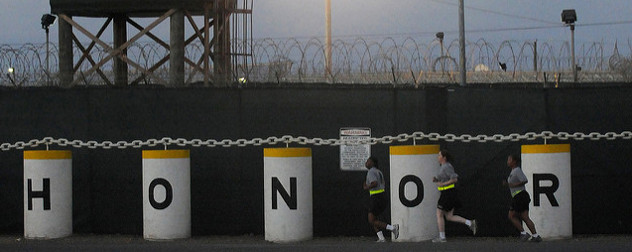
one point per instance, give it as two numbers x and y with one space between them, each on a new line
355 61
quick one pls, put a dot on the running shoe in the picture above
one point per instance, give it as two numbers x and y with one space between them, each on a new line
474 227
395 231
439 240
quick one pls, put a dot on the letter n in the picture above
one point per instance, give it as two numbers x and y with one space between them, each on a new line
290 199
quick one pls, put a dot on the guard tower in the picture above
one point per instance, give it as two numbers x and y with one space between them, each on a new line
218 64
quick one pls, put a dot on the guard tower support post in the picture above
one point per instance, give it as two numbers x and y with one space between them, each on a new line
176 41
120 37
221 48
66 71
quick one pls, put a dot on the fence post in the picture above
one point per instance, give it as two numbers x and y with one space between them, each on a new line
287 192
413 194
47 194
166 194
548 168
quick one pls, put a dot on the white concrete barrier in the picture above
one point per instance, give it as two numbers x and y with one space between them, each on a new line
413 194
548 168
166 194
47 194
288 213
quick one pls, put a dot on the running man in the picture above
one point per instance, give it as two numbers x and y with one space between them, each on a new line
375 185
519 208
448 201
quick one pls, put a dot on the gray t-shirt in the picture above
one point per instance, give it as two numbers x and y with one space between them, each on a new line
516 176
375 175
446 172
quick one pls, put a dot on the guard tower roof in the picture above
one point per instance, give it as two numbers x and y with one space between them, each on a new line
138 8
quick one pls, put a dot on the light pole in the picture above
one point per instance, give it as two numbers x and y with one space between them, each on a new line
47 20
569 17
440 36
328 38
462 42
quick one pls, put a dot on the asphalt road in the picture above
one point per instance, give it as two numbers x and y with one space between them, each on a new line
329 244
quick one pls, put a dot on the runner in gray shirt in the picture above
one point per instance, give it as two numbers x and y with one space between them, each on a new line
375 184
519 208
448 201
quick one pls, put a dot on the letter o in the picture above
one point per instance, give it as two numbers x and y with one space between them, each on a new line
169 193
420 190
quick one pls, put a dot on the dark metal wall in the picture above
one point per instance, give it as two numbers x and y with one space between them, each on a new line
226 185
98 8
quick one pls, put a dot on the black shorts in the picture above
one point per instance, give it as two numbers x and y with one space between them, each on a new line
448 200
520 202
377 204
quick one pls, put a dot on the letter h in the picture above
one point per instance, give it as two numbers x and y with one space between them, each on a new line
44 194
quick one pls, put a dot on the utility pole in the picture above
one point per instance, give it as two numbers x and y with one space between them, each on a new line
327 39
569 17
47 58
462 42
574 66
47 20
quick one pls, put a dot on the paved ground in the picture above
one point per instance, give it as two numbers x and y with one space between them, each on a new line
329 244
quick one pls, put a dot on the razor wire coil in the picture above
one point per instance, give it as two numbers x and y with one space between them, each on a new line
387 61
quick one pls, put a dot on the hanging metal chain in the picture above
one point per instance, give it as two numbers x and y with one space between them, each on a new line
416 136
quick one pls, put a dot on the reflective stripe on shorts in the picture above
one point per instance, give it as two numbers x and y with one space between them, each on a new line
515 193
443 188
376 191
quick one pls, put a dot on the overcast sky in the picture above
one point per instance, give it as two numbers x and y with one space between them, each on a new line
494 20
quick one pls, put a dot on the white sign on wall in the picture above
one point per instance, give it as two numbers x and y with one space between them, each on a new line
353 157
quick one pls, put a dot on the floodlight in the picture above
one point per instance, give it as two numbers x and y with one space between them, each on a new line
569 16
47 20
439 35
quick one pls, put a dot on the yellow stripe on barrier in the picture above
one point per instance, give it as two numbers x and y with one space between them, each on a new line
50 154
287 152
546 148
414 150
160 154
